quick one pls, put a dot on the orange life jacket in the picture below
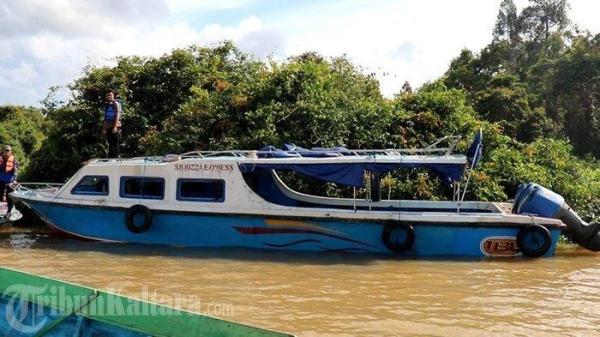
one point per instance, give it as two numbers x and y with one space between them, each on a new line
9 165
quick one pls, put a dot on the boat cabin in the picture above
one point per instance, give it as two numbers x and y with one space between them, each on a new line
248 181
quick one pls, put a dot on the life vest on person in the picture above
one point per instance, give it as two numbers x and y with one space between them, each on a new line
9 165
110 113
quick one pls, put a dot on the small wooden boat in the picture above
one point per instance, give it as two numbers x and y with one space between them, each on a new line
31 305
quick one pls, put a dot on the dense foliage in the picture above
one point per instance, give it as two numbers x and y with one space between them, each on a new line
23 129
533 90
538 77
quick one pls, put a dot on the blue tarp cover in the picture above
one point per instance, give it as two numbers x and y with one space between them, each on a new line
352 173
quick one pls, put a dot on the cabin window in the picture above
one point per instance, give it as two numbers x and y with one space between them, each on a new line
91 185
142 187
204 190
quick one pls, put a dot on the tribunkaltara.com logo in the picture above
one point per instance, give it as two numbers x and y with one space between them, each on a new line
29 308
24 316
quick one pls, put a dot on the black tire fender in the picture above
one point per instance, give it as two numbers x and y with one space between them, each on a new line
132 212
393 245
540 232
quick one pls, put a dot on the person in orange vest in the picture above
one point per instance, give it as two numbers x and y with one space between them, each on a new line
8 175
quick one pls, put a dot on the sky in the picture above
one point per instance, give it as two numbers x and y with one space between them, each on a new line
48 43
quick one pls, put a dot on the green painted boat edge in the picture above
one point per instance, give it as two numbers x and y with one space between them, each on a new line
190 323
40 290
161 320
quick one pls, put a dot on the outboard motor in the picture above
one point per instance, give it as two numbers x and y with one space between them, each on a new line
537 200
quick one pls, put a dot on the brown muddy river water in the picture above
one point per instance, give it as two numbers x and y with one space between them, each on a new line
333 294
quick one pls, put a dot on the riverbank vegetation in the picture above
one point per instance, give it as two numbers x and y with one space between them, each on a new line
534 90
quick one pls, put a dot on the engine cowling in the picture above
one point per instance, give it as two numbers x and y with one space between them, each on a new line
537 200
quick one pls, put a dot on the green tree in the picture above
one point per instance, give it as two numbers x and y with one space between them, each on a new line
23 129
465 72
573 85
507 32
506 101
73 138
542 18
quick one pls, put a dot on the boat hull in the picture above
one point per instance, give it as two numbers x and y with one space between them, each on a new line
191 229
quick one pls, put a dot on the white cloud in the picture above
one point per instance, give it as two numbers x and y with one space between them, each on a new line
24 74
153 41
71 18
57 39
217 32
21 77
249 35
585 14
47 46
396 41
5 50
44 43
187 5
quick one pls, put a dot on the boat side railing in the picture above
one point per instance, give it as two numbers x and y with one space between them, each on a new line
431 149
39 183
33 187
358 152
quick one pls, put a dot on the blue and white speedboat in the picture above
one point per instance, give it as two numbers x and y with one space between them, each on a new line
236 199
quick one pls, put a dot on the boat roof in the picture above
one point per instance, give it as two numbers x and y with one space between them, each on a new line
291 153
225 156
345 170
338 165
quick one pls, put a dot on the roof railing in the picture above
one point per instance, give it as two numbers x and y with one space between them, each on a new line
430 149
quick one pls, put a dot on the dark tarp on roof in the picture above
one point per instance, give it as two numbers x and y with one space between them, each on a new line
352 173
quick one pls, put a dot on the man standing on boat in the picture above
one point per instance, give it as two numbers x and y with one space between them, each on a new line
8 176
111 127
